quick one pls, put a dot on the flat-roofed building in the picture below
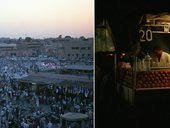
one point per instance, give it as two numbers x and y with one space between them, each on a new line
63 48
7 49
74 48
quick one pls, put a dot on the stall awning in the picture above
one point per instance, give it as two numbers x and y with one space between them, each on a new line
72 116
80 67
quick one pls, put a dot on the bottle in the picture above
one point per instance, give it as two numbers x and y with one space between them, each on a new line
143 65
147 61
139 65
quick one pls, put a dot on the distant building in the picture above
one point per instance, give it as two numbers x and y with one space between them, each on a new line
74 49
63 48
7 49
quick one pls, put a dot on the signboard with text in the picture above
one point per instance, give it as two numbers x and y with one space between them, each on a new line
154 29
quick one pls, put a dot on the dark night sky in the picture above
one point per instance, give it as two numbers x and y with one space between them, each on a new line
123 17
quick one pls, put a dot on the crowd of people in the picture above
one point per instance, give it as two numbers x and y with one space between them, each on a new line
25 108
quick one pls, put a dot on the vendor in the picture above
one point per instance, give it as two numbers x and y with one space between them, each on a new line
124 61
160 56
123 65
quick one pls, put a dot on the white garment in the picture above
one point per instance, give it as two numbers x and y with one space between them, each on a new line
49 125
165 58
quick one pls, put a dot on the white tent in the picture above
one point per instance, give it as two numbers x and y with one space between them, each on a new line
73 116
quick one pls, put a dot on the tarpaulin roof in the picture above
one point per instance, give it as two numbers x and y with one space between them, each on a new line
49 78
80 67
72 116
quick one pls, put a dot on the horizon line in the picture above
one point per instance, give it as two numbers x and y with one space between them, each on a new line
44 37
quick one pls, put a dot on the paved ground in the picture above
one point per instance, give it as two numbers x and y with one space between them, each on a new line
152 110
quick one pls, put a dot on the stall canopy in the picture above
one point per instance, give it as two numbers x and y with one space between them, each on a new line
52 78
104 39
72 116
40 80
80 67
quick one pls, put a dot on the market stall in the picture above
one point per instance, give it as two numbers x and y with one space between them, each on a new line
138 82
76 120
145 81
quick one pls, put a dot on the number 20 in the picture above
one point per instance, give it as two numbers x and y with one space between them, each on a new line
145 36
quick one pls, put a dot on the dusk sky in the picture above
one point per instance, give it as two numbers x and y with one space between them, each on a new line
46 18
